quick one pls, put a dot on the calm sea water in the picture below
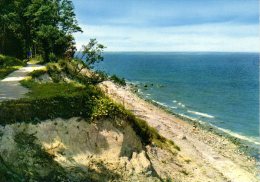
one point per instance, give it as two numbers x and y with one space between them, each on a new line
221 89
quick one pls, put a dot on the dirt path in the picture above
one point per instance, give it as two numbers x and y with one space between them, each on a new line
214 158
10 87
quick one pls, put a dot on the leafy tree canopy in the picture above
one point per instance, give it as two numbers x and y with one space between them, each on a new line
43 27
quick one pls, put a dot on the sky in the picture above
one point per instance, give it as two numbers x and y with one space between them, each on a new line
170 25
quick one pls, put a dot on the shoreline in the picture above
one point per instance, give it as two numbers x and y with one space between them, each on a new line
203 145
242 144
249 149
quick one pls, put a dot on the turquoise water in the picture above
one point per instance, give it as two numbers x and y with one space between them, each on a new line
220 89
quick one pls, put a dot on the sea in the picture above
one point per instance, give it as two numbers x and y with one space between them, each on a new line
214 88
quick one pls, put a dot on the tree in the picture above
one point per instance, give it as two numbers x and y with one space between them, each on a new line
42 25
91 54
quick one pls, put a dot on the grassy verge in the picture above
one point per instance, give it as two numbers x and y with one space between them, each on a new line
8 65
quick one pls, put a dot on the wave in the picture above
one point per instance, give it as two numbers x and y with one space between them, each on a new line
192 119
201 114
254 140
139 91
160 103
174 101
173 107
181 104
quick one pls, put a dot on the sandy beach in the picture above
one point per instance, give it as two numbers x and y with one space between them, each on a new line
211 157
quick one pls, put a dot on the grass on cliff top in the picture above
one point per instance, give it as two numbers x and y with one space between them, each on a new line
8 65
50 90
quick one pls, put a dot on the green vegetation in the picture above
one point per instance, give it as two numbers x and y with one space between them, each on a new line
78 98
91 54
43 27
65 100
37 73
50 90
6 172
8 65
117 80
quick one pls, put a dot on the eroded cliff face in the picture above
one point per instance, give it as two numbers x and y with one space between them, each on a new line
77 150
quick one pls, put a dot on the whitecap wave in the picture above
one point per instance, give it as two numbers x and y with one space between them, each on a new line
201 114
139 91
174 101
173 107
254 140
190 118
181 104
160 103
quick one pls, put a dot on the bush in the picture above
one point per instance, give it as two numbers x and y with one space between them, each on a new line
48 101
37 73
8 65
6 61
53 57
117 80
54 70
98 77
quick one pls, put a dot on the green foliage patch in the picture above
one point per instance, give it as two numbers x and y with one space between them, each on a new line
8 65
51 90
117 80
43 27
37 73
6 61
50 100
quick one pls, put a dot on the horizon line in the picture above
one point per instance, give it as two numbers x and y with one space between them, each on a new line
180 51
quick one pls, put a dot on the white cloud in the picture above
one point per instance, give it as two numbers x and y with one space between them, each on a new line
207 37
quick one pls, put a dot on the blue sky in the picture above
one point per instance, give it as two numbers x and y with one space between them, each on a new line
170 25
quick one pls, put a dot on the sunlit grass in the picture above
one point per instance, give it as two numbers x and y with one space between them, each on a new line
8 65
47 90
7 70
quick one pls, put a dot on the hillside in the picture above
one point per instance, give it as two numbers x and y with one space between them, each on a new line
70 131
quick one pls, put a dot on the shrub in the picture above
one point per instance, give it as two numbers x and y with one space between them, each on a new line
37 73
6 61
54 70
8 65
117 80
53 57
52 100
98 77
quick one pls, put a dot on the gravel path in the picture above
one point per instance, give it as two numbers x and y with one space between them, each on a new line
10 87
